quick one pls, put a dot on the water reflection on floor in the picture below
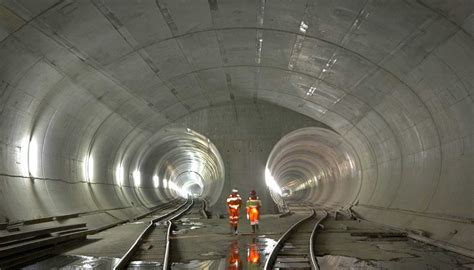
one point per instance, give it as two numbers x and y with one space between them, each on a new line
73 263
138 265
185 225
244 252
207 264
247 252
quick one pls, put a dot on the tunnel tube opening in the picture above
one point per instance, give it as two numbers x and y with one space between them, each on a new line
190 183
315 166
181 163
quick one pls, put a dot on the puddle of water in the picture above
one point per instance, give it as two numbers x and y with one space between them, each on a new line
188 219
249 252
266 244
161 223
244 252
206 264
190 223
74 262
188 226
178 232
139 265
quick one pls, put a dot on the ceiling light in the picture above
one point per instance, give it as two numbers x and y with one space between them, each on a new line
156 181
311 91
119 175
137 177
303 27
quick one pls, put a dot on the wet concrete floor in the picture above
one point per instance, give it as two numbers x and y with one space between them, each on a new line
207 244
350 244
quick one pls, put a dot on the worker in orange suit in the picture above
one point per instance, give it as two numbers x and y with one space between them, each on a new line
233 260
253 256
253 210
233 209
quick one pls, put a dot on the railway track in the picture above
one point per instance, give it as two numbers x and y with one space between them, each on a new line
198 210
153 244
294 249
27 245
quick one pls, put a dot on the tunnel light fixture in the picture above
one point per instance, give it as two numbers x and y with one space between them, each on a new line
331 62
33 156
188 130
119 175
89 169
28 156
351 162
259 48
137 177
315 181
271 183
165 183
22 155
303 27
311 91
156 181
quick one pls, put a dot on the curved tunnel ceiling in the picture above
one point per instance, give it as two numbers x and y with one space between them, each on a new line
85 84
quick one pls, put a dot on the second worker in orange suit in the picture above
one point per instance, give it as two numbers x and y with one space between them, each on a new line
253 210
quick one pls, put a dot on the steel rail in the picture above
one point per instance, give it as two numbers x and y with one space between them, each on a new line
314 262
168 233
124 260
273 255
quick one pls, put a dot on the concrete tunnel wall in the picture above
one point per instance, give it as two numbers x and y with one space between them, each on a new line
83 79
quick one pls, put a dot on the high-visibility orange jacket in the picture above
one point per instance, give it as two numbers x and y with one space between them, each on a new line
233 208
253 210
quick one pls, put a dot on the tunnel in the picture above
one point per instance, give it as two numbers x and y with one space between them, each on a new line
314 165
110 109
180 163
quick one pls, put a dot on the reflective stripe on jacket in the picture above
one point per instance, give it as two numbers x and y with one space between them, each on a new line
234 201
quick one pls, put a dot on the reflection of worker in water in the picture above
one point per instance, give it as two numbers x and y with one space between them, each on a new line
235 263
253 255
253 210
233 209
